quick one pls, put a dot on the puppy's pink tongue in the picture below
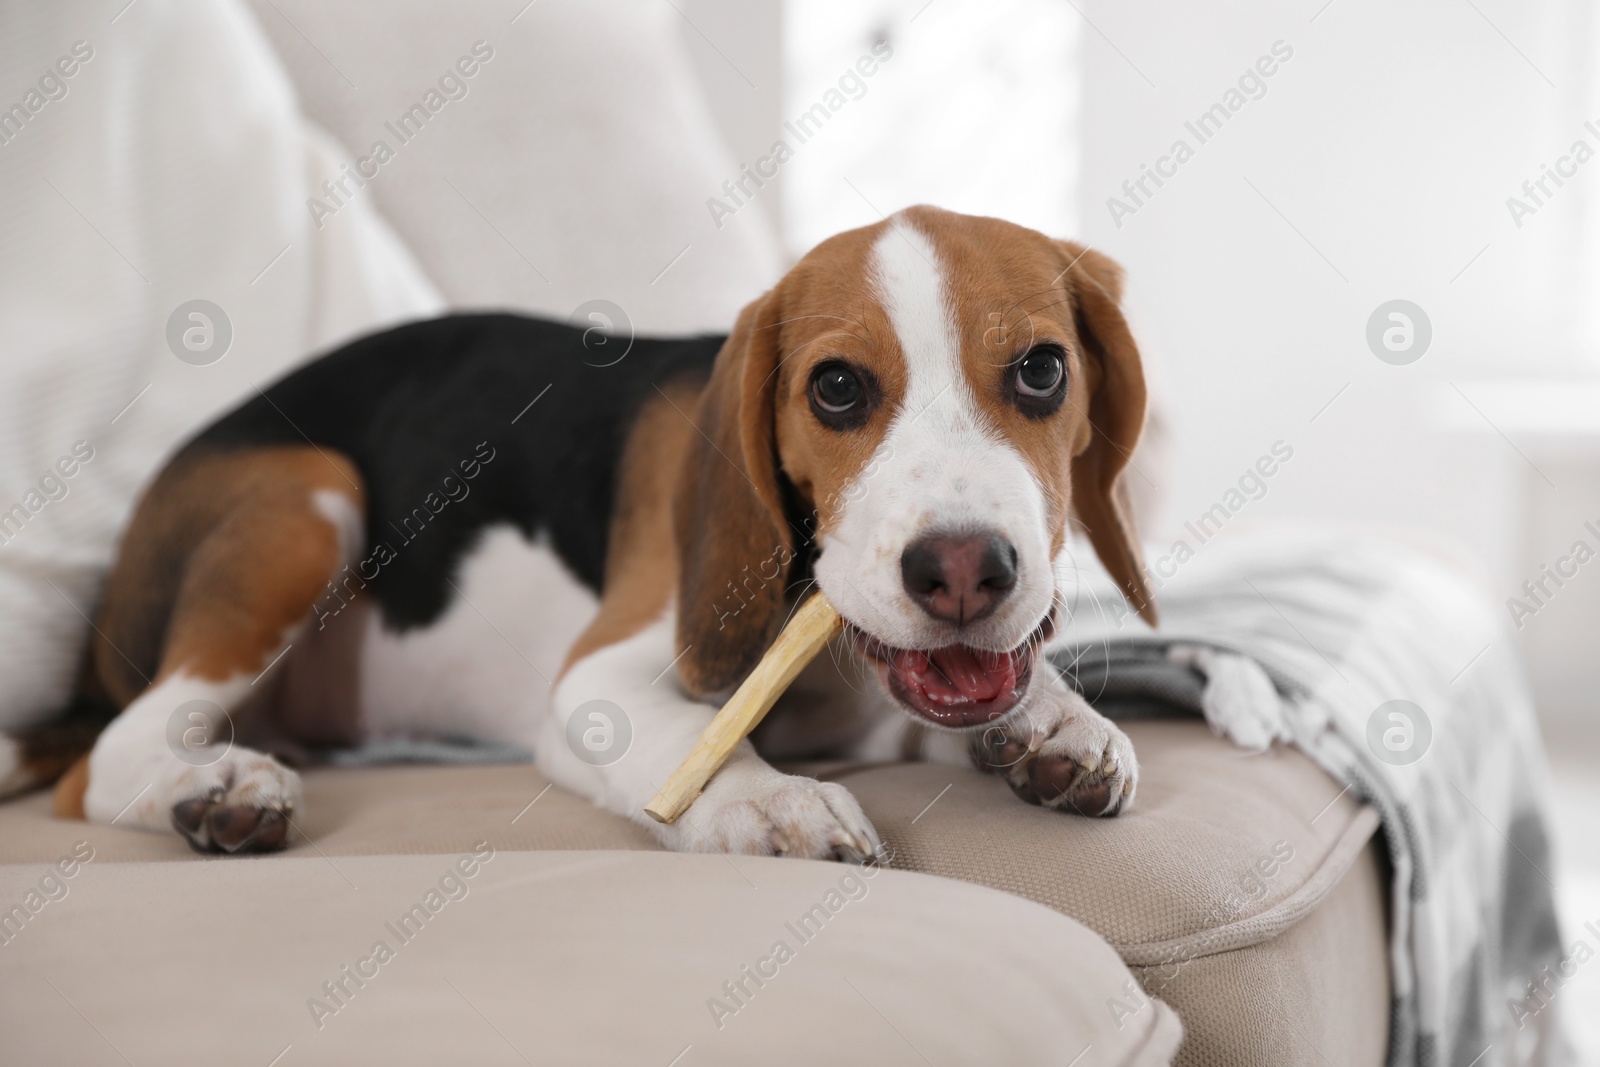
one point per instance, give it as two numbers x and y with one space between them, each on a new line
958 672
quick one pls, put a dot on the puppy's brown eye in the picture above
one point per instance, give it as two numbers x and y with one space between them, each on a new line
1040 373
835 389
843 396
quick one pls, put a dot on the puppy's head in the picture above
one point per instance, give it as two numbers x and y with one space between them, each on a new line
912 412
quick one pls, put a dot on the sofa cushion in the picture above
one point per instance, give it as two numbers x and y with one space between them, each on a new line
1226 867
1222 849
364 811
555 957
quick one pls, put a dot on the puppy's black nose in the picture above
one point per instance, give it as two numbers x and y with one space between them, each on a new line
959 578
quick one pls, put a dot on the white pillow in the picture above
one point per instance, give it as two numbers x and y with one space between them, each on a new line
171 165
574 163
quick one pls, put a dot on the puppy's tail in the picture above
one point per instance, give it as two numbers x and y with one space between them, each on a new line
45 753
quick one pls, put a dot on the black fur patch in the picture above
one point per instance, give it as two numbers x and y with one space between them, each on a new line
437 417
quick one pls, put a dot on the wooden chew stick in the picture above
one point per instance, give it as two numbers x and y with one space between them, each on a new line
812 627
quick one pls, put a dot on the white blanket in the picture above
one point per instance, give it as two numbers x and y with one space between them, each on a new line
172 165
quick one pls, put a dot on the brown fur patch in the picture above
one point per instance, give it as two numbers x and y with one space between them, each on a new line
829 310
213 539
317 698
67 800
1116 419
261 565
641 565
735 543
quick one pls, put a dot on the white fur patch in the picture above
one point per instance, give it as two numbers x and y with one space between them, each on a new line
940 467
748 807
346 519
633 674
136 775
484 669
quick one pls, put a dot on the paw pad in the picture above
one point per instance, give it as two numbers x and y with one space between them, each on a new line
212 826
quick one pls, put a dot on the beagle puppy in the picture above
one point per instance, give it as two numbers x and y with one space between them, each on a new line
487 525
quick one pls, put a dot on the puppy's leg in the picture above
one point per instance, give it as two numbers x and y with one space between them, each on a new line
261 532
748 807
623 670
1057 751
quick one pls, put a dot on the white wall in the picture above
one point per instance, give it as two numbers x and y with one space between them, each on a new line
1376 165
736 47
972 107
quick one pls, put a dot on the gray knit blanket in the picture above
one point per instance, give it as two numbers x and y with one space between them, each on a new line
1397 674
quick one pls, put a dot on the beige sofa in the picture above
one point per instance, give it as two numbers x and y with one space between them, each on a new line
1245 892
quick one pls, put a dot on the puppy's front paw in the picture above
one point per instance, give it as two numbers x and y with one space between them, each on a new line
1059 752
241 803
760 812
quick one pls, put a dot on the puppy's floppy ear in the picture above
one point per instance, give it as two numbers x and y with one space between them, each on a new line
1116 417
734 544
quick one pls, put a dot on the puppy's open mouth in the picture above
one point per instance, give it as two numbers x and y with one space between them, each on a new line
957 685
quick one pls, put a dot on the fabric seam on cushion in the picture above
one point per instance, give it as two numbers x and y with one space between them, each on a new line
1272 921
1275 920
